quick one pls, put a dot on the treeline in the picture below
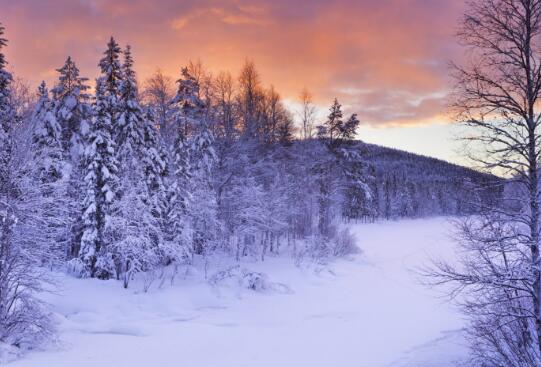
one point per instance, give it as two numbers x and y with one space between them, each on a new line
407 185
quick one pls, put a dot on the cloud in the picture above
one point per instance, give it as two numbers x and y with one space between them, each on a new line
238 15
385 59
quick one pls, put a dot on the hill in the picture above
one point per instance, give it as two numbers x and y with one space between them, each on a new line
405 184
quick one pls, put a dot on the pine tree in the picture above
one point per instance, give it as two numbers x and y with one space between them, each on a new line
335 130
111 69
188 114
202 157
131 118
204 211
112 75
155 162
46 140
189 108
73 113
139 239
334 123
45 184
101 191
71 108
176 225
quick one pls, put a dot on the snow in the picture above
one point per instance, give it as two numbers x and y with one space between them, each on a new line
369 310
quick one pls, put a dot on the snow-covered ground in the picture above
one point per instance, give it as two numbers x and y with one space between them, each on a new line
367 311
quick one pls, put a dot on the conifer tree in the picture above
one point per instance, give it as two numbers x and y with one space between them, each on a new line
112 75
139 239
204 211
45 184
46 140
71 108
71 103
155 162
176 225
101 191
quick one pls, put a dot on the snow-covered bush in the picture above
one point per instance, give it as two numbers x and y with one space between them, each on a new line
255 281
344 243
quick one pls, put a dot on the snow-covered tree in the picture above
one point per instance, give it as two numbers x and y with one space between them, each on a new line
188 113
48 155
112 75
71 108
203 211
101 191
71 103
139 231
44 204
23 320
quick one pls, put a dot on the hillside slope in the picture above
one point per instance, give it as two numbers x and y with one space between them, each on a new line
411 185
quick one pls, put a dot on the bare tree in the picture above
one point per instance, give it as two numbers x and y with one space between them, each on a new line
224 102
250 96
158 92
497 96
308 112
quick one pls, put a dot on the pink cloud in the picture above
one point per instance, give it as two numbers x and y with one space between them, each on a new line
393 51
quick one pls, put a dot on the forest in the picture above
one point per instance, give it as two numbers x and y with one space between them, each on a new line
117 177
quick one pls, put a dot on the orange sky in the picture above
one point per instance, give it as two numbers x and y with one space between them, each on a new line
385 59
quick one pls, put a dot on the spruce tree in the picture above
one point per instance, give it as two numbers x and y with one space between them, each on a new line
112 75
137 248
195 143
46 139
73 112
204 211
176 224
72 109
45 184
101 191
155 164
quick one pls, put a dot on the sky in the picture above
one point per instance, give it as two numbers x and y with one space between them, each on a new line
386 60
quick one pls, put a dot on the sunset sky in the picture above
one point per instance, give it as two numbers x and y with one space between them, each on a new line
384 59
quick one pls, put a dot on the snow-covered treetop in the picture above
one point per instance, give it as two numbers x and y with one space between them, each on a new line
189 104
46 128
110 67
43 98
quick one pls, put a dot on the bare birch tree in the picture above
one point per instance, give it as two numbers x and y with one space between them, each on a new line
497 98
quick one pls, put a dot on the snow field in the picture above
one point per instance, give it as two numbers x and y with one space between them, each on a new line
367 311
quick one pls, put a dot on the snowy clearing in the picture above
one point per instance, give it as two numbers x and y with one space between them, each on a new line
368 311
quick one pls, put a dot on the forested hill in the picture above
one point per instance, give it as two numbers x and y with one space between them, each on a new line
409 185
